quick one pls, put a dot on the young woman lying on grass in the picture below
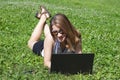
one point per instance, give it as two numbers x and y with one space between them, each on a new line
60 36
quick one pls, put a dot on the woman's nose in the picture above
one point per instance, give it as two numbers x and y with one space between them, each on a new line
59 35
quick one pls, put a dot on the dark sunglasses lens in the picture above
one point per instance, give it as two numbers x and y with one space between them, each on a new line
61 32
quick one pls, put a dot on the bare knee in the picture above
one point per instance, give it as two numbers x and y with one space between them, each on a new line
31 43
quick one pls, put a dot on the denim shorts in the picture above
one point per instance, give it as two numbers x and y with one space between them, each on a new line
38 47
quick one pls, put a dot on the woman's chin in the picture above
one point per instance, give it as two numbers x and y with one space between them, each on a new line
61 40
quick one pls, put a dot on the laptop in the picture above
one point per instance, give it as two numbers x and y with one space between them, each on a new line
72 63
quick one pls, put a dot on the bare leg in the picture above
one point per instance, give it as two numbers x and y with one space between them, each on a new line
48 43
46 30
36 34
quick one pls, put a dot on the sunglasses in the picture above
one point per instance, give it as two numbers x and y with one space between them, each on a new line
55 32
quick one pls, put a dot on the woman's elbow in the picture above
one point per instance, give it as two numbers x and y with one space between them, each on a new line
47 64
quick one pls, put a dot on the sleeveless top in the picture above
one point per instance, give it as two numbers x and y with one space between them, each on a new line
57 49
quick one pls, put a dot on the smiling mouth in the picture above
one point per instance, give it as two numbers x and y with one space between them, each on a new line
61 38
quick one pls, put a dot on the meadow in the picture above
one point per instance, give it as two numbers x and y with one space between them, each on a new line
97 20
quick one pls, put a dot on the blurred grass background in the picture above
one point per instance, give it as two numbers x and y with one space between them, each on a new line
97 20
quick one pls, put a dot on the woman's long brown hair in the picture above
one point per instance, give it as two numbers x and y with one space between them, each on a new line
73 37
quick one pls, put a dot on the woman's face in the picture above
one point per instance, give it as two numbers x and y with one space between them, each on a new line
58 33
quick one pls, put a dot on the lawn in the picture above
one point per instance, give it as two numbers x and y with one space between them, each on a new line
97 20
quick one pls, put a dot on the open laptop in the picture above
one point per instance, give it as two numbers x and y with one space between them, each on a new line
72 63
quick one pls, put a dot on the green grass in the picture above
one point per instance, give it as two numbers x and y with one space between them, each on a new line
97 20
